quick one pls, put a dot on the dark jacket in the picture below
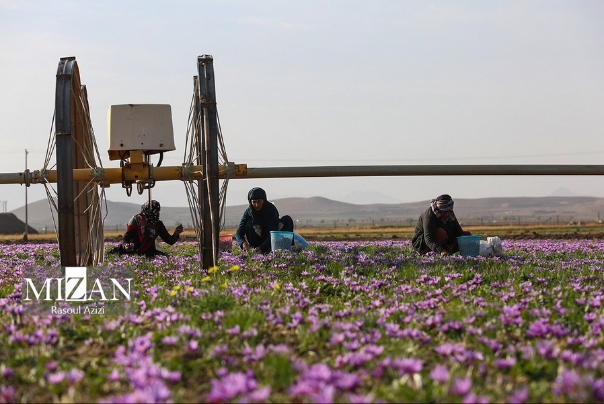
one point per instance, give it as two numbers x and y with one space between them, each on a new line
143 235
257 226
424 237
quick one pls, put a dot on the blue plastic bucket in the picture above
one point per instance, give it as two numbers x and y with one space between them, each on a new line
469 246
281 240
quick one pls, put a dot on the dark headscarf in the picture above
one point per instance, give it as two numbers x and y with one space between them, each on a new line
443 203
256 193
151 213
258 215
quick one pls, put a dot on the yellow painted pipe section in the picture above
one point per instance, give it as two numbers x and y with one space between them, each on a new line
136 172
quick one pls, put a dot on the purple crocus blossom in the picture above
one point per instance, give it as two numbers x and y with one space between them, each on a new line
7 394
236 384
461 386
519 396
170 340
114 376
440 374
505 363
6 372
55 378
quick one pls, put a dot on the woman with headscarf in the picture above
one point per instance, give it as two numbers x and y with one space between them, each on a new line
143 229
258 220
437 228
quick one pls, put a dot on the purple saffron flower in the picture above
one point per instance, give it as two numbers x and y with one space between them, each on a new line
505 363
324 395
55 378
155 393
170 340
519 396
230 386
409 366
547 348
538 329
171 376
7 394
74 375
222 372
473 398
259 395
461 386
114 376
440 374
571 384
6 372
303 387
348 381
193 345
598 390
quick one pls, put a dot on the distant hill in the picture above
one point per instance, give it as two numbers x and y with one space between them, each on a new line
321 211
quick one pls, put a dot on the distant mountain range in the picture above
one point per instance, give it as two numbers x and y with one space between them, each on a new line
317 211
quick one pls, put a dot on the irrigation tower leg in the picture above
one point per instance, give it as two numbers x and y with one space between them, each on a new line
209 142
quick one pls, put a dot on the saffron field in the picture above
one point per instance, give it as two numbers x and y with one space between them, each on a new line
335 322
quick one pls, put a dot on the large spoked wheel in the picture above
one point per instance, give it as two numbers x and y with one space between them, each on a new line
79 203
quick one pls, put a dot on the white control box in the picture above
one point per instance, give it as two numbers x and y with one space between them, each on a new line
146 127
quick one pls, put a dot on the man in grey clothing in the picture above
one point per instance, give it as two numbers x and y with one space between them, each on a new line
437 228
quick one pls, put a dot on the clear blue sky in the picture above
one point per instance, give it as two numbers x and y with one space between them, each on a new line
304 83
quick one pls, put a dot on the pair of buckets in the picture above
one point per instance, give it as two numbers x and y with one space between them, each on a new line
284 240
280 240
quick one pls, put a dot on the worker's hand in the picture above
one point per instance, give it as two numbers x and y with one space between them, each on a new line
257 250
129 247
444 252
179 229
245 245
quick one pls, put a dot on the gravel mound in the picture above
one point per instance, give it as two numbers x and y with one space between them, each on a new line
10 224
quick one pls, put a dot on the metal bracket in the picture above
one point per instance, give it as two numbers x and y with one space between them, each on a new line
127 185
98 174
128 188
42 176
229 169
27 177
187 172
144 184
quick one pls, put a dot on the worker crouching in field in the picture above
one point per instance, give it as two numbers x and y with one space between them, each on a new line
437 228
258 220
143 229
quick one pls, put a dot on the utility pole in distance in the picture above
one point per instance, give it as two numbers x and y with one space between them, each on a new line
26 225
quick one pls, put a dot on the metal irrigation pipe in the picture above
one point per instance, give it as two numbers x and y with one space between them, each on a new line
421 170
236 171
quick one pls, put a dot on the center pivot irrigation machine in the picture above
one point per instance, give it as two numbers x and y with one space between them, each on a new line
136 132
